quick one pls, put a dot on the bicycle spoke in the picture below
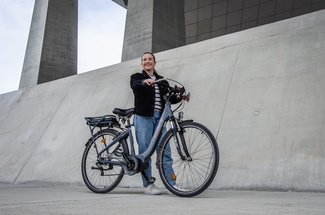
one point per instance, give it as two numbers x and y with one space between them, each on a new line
193 174
99 177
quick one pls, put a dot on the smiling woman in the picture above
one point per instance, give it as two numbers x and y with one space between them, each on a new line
100 37
149 104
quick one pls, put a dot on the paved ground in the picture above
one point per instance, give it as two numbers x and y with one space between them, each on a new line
51 199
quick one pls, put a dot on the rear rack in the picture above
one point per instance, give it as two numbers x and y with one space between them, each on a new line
102 121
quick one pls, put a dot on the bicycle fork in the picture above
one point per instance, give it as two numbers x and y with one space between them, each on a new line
180 131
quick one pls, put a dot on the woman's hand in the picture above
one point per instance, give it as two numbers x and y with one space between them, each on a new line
148 82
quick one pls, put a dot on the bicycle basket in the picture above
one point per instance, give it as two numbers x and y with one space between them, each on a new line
102 121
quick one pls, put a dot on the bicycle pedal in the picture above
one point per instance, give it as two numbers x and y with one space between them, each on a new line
152 180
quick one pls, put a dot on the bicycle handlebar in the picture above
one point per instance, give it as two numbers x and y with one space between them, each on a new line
179 91
160 80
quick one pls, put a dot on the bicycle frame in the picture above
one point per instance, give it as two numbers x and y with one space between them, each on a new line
167 115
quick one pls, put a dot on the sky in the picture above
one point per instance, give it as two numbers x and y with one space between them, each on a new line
100 37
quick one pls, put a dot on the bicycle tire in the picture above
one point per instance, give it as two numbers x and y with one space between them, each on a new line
100 178
192 175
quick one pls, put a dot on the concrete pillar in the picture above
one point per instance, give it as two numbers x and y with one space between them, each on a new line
51 51
153 25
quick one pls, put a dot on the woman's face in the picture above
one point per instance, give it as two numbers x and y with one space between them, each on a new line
148 63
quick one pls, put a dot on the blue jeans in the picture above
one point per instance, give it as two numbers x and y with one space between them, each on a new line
144 130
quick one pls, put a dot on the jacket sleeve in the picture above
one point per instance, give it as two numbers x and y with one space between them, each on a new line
136 81
174 99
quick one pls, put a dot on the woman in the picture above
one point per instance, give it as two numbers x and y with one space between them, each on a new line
149 104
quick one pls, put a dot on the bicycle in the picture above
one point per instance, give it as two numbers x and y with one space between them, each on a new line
188 148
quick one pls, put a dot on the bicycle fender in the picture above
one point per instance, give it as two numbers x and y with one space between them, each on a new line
188 120
88 142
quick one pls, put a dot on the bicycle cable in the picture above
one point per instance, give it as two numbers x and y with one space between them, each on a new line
182 102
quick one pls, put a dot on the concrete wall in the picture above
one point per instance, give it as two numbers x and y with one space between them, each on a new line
260 91
51 51
153 25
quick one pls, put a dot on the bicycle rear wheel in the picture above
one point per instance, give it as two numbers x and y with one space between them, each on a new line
100 177
191 174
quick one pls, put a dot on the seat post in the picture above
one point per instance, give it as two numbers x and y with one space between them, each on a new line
128 123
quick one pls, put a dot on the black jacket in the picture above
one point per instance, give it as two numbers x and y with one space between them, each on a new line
144 95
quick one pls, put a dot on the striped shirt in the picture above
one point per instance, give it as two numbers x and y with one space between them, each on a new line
157 96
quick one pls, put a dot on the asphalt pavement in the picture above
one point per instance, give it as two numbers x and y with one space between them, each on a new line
76 199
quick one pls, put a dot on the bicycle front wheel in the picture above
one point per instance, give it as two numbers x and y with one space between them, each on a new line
100 177
188 169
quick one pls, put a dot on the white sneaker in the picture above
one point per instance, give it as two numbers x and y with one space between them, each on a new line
152 190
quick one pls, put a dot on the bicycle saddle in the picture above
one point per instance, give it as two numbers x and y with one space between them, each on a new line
124 112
